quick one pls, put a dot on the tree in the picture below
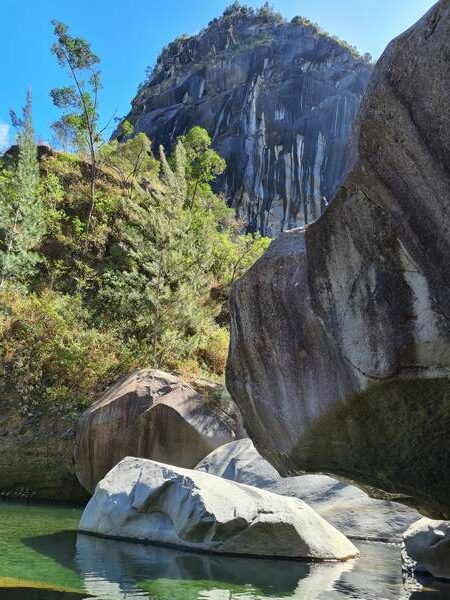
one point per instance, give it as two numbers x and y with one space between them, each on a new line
132 160
22 223
203 163
158 293
80 121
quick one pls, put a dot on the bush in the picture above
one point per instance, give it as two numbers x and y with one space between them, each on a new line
50 357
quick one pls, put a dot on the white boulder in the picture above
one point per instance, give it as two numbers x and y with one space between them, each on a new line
426 548
147 501
240 461
345 506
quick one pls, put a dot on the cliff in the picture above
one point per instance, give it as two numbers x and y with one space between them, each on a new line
278 99
340 334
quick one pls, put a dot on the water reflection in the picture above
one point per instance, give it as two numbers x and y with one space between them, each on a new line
118 570
39 561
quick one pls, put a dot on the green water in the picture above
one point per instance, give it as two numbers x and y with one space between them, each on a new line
42 558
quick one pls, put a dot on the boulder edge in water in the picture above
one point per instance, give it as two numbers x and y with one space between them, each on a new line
146 501
426 549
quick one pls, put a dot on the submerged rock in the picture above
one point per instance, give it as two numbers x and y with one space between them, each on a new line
278 99
426 549
340 334
147 501
151 414
345 506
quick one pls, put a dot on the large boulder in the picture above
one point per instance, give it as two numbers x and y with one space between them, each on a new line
152 414
240 461
426 549
147 501
340 334
345 506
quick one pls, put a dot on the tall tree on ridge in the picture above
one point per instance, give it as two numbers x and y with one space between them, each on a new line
80 121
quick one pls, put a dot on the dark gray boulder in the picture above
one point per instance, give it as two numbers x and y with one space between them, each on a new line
279 100
340 334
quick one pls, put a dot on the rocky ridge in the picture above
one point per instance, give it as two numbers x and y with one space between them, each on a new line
279 100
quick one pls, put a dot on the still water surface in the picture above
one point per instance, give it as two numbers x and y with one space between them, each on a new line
42 558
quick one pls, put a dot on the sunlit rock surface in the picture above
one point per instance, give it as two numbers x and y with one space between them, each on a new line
152 414
340 334
426 549
147 501
345 506
239 461
278 99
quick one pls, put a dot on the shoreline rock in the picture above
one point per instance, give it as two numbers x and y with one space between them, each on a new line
151 502
426 549
347 507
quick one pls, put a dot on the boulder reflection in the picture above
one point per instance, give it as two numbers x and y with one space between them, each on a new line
117 570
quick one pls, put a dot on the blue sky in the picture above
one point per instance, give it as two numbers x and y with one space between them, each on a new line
128 35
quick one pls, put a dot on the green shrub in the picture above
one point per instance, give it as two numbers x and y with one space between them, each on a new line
50 356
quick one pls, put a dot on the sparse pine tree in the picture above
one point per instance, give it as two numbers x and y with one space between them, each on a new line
21 213
80 121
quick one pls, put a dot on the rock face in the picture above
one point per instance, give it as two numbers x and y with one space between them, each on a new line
239 461
345 506
147 501
340 346
151 414
278 99
426 549
36 457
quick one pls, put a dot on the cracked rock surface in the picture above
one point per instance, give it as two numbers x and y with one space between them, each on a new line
340 345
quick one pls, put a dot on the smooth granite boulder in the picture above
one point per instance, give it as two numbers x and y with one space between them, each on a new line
240 461
146 501
152 414
345 506
426 549
340 333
